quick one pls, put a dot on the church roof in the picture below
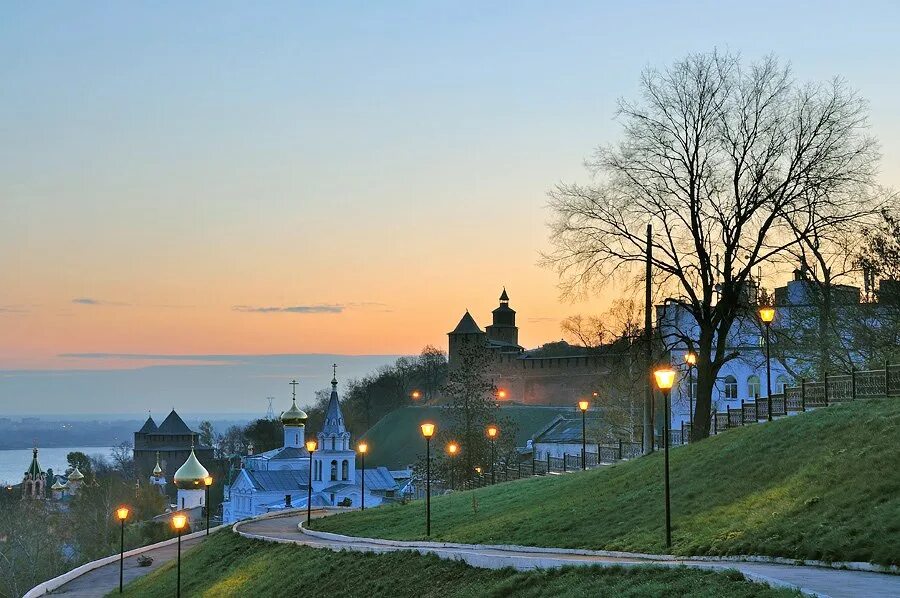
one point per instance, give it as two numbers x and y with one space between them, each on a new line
289 452
566 430
380 478
334 419
279 480
191 473
173 424
467 325
149 426
503 295
34 469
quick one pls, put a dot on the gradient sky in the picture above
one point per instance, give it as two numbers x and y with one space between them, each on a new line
167 170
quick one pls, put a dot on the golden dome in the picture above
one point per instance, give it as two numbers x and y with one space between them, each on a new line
76 475
157 471
294 416
191 474
57 486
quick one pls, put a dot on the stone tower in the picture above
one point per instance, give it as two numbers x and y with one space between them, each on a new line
34 484
466 333
504 329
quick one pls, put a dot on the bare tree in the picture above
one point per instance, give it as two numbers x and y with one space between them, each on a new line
722 161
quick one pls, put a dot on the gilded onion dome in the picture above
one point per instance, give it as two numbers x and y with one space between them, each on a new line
191 474
57 486
294 416
157 471
76 475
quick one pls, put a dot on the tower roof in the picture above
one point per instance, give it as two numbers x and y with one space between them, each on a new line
34 469
157 471
149 426
503 295
173 424
334 419
467 325
294 416
192 473
76 475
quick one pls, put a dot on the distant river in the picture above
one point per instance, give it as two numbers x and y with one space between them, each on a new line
14 462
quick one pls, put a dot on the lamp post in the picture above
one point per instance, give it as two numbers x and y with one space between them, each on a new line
767 314
501 393
362 448
311 446
122 515
452 450
207 481
690 358
416 395
178 522
427 432
492 432
665 378
583 405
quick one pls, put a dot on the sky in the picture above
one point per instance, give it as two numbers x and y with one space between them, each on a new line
223 178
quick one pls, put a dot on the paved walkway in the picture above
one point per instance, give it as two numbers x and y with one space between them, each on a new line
831 583
103 580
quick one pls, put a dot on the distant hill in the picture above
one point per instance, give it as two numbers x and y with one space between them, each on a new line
819 485
396 440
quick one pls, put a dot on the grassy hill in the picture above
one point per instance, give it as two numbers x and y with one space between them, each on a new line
395 440
228 565
820 485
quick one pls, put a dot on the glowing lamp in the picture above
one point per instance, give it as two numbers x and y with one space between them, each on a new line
311 445
416 395
122 513
583 405
427 430
492 431
665 378
478 470
501 394
690 358
452 448
179 521
767 314
208 480
362 448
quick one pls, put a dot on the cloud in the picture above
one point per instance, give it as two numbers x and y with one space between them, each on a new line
538 320
92 301
318 308
322 308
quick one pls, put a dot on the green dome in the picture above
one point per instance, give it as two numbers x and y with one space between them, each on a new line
294 416
191 474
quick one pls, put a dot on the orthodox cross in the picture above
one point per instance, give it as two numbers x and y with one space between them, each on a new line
334 368
293 384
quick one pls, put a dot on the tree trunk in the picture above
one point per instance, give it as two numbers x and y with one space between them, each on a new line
706 372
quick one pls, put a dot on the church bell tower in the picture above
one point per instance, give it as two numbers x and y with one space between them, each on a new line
504 328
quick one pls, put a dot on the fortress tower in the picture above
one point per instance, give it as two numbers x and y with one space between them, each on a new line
504 330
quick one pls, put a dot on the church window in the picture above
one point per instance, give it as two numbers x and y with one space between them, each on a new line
345 470
332 443
334 471
731 388
753 386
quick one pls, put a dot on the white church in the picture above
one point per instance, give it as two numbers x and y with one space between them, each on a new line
280 478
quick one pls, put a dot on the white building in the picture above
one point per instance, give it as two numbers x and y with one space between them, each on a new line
280 478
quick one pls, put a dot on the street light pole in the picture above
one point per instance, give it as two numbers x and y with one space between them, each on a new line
122 514
427 432
767 314
665 378
492 432
583 405
207 481
362 448
452 449
311 446
179 521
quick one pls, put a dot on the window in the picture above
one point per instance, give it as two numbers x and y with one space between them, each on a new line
753 386
780 383
731 388
334 471
345 470
332 443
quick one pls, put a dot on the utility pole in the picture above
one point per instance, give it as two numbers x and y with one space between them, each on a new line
648 348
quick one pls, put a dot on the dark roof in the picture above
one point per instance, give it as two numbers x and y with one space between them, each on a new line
149 427
282 479
380 478
503 295
173 424
34 469
566 430
467 325
289 452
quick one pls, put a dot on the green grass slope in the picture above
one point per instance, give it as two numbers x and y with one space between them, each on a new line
821 485
228 565
395 441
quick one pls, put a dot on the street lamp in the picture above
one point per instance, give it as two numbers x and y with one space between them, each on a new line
207 481
665 379
690 358
501 393
178 522
311 446
416 395
122 515
492 432
427 432
583 405
767 314
452 450
363 448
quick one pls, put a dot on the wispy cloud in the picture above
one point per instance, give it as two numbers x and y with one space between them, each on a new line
93 301
317 308
539 320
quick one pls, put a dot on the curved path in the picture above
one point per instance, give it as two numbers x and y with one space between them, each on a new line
817 581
